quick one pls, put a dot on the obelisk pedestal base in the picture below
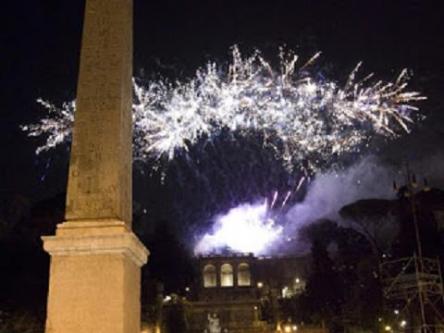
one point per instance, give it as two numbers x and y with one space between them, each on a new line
94 284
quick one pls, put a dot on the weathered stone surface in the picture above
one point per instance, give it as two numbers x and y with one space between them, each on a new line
94 284
99 184
97 238
94 281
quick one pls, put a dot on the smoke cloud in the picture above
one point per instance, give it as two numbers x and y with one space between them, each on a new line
369 178
326 194
330 191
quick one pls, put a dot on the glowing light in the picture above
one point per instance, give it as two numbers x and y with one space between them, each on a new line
301 115
285 292
248 228
260 284
387 328
403 323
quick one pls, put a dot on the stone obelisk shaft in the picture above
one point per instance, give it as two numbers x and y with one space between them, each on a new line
94 284
99 184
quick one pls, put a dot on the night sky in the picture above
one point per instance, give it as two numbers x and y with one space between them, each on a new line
40 55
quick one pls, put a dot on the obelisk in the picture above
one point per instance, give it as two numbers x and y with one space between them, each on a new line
94 284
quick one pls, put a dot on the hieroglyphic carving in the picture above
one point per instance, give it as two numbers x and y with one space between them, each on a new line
99 184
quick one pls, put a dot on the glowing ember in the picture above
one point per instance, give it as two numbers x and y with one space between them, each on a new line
246 228
301 115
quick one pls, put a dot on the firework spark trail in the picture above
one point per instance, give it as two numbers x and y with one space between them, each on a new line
300 116
57 126
275 196
287 196
301 182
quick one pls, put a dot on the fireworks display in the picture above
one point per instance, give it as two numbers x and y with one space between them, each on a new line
248 228
304 119
57 126
300 115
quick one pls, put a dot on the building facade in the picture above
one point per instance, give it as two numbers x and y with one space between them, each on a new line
240 293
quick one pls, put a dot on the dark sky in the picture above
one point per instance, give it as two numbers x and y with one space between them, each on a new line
40 45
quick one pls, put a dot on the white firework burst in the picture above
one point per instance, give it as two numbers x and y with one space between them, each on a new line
301 116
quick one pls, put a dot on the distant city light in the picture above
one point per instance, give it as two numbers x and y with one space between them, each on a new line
285 292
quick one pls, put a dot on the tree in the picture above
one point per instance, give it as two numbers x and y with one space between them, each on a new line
343 288
170 260
324 292
174 316
374 219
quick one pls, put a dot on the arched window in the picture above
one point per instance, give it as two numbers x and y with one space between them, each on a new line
209 276
226 275
243 275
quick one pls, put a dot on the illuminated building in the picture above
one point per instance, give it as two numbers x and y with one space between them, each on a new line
243 291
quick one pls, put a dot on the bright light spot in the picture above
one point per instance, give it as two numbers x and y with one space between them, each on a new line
260 284
387 328
295 328
310 88
285 292
403 323
396 312
246 229
287 329
297 280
